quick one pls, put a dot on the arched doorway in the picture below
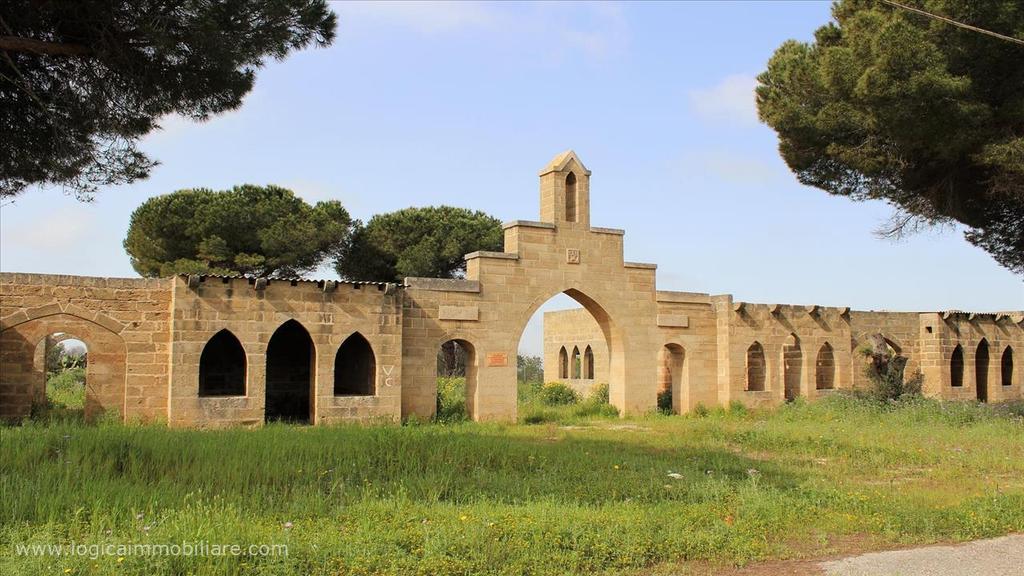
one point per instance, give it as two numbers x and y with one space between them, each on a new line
23 378
981 370
576 340
456 381
825 368
63 359
792 360
672 378
956 367
291 363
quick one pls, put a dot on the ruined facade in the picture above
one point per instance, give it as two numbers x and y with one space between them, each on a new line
213 351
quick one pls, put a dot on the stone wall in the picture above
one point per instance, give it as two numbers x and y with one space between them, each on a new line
570 330
147 339
329 313
125 324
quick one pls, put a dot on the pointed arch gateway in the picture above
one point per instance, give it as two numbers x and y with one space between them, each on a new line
612 366
291 361
502 291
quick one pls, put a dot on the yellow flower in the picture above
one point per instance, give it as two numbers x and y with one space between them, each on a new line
463 517
67 570
120 558
616 467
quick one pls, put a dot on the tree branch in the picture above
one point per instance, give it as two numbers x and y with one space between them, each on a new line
18 44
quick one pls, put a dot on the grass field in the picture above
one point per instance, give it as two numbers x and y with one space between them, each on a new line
578 495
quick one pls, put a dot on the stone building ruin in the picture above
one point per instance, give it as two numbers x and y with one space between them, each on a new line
217 351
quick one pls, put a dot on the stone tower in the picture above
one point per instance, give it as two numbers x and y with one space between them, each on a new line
565 192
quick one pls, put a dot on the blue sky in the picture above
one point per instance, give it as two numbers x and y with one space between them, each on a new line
461 103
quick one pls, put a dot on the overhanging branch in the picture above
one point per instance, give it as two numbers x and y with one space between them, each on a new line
19 44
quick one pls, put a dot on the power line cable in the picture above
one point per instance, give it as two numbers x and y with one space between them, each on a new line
956 23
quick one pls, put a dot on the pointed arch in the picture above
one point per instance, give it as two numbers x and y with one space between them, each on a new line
291 364
563 363
825 368
956 367
1006 367
755 367
792 366
981 371
222 366
588 363
355 367
574 362
570 197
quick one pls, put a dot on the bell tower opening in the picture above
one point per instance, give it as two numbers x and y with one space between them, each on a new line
565 191
570 197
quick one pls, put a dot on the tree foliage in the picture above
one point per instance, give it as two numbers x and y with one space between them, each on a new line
887 104
885 371
529 368
250 230
428 242
82 80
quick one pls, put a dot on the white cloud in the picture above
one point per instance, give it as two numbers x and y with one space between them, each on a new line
424 17
731 100
595 30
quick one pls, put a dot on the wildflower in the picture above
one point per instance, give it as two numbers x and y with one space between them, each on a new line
67 570
288 525
120 559
463 517
616 467
675 475
753 473
138 516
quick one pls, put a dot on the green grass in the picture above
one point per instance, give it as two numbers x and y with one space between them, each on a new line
597 496
65 397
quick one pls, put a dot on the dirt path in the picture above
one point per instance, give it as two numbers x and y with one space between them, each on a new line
996 557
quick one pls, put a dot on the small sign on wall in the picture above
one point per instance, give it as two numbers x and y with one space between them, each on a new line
572 256
497 360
